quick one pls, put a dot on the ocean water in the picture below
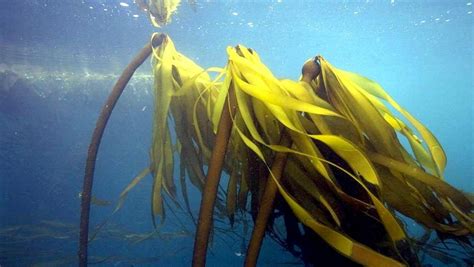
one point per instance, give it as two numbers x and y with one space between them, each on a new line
59 60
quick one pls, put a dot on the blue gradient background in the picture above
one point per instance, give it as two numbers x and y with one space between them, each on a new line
421 52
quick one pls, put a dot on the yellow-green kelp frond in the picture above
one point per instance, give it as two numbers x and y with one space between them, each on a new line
412 182
346 132
183 94
345 161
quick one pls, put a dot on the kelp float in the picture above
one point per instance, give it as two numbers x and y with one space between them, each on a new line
324 154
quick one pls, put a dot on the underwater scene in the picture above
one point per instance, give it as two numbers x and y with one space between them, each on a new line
236 133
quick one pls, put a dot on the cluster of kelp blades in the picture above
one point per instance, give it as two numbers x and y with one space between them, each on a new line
51 242
326 149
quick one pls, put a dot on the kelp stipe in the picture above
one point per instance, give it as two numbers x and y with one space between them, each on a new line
94 148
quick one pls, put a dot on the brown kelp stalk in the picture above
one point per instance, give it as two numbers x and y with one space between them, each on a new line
209 193
310 71
94 146
266 204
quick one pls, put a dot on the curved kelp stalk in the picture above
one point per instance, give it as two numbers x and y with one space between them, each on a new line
310 71
209 193
324 154
94 147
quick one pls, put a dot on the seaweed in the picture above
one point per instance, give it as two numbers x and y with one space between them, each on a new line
324 153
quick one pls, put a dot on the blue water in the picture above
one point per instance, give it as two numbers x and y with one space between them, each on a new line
68 54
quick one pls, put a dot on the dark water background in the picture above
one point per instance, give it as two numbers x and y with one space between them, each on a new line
59 59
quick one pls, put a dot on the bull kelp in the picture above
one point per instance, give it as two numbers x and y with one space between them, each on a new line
324 153
318 163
